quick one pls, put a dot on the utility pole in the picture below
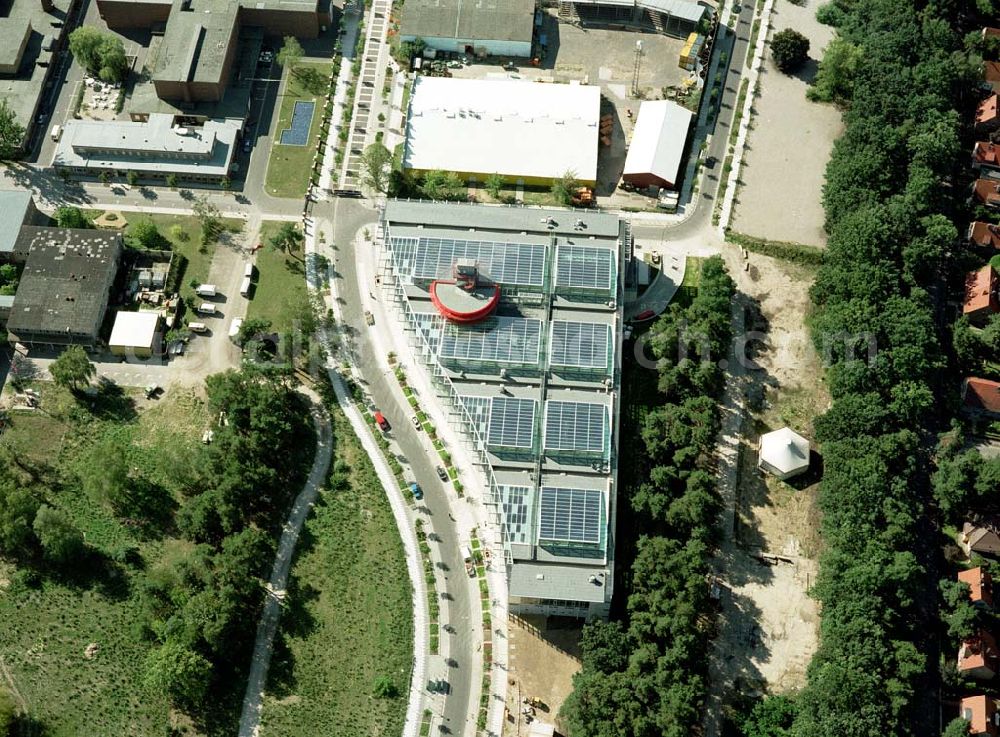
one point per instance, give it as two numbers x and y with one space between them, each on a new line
635 69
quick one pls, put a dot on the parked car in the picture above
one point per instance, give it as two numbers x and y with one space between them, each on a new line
206 308
416 423
197 327
206 290
383 424
644 315
442 474
417 492
369 318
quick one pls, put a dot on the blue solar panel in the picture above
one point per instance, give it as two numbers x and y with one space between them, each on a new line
297 133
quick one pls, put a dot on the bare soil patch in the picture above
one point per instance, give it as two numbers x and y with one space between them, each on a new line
544 655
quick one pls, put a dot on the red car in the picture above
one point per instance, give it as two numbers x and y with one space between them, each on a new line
382 423
644 315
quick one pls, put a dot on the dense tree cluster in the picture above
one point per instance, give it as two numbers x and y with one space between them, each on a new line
202 607
901 70
646 676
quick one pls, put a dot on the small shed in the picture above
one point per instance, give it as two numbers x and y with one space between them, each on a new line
657 147
134 334
783 453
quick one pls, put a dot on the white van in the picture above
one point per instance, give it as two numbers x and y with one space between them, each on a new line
56 132
245 286
206 308
206 290
234 329
197 327
248 272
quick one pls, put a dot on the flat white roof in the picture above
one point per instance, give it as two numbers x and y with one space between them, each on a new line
658 140
134 329
510 127
155 145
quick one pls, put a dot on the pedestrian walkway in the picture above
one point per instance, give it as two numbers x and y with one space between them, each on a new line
278 582
741 137
329 179
369 85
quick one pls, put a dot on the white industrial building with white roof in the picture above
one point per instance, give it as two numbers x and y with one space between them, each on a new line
530 133
657 147
532 383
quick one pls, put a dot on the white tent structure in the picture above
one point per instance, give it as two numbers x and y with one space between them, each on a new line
657 148
783 453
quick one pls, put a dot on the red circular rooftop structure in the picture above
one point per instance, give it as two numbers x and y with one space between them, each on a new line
465 299
458 304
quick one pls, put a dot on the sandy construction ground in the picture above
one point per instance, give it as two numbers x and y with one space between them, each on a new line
789 143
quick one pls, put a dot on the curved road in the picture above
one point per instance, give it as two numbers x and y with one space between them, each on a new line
268 625
347 217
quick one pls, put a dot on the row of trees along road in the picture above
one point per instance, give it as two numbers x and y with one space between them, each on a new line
645 675
907 79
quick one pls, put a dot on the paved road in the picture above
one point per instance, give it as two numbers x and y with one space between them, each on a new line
348 216
277 584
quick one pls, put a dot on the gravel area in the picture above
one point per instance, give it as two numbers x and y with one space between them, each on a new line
789 143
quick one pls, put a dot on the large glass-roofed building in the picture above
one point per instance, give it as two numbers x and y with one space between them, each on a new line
515 313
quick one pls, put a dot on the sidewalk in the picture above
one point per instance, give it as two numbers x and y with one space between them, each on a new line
741 137
328 178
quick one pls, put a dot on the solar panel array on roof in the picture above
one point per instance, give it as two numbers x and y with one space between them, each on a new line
575 426
570 515
512 422
479 411
501 339
580 344
521 264
584 267
516 501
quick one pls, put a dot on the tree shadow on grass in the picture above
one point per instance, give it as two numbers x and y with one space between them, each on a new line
110 403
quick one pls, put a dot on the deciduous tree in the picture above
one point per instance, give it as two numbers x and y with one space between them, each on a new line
72 368
789 49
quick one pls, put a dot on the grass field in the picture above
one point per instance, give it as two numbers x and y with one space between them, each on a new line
280 294
289 166
349 616
49 622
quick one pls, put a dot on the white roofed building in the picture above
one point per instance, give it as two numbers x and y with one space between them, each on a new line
134 333
783 453
529 132
657 147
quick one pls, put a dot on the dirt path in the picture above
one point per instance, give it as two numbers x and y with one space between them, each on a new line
767 624
268 625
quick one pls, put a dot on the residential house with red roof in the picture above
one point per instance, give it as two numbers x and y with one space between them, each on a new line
988 115
978 656
991 75
982 295
986 158
983 234
981 397
981 714
980 584
986 192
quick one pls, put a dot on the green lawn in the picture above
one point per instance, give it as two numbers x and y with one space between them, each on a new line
280 294
48 622
289 167
184 234
348 616
689 284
